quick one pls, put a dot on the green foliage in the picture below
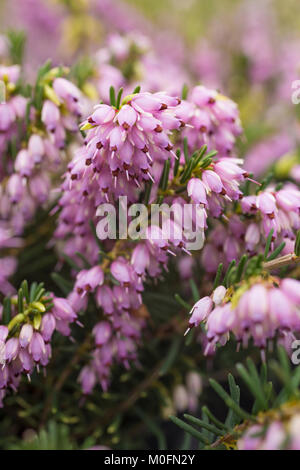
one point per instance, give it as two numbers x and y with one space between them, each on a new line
17 42
264 398
82 71
54 437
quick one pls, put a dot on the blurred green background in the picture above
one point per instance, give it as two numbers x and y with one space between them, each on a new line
192 18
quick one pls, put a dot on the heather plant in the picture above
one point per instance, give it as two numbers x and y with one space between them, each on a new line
149 235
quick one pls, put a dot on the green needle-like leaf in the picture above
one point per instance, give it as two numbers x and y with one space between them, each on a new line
112 96
229 401
268 243
203 424
189 429
276 252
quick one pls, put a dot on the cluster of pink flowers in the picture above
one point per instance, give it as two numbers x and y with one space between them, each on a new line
25 341
12 111
248 229
222 179
212 119
278 211
135 123
125 148
28 178
118 347
116 336
127 141
260 310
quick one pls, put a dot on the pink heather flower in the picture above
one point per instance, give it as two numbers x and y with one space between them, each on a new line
274 438
24 163
50 115
66 90
229 170
121 271
218 295
36 148
185 267
219 323
39 187
18 104
4 378
140 259
7 116
26 361
48 326
25 335
180 398
249 204
77 301
212 181
288 199
62 310
11 349
210 258
231 174
104 299
156 238
252 236
200 311
231 248
102 332
266 203
290 287
37 347
194 383
87 379
251 439
15 188
89 280
8 266
197 192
